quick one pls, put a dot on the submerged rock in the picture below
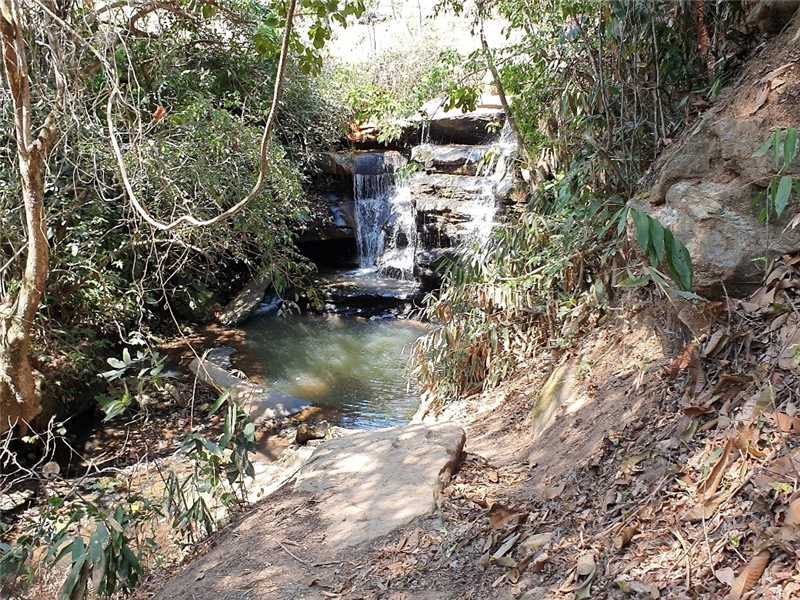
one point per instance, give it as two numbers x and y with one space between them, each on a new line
258 401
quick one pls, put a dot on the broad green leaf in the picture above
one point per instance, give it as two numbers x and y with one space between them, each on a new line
67 590
789 147
680 262
633 282
220 401
641 221
657 241
763 149
116 363
782 194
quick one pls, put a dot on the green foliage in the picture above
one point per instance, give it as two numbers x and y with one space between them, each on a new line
783 148
507 297
395 85
220 470
105 556
663 249
134 378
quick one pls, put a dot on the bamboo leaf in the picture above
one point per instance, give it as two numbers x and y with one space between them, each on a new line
789 147
782 194
641 221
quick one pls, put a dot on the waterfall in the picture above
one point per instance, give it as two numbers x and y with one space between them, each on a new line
371 193
386 229
401 240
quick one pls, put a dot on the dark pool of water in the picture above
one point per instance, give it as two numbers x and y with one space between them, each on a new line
355 370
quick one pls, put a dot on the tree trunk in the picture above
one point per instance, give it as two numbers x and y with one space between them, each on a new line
19 398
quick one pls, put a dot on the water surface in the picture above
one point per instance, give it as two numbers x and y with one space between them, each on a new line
354 369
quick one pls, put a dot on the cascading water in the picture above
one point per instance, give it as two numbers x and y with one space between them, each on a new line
384 216
400 245
371 193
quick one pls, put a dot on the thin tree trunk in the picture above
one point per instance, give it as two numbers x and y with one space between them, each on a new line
501 92
19 398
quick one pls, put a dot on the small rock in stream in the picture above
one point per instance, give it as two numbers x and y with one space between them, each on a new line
305 433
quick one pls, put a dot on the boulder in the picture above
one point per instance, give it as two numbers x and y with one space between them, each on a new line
457 127
339 164
454 159
370 483
344 164
709 193
769 16
710 189
244 303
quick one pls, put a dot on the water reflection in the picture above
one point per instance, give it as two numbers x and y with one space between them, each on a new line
354 369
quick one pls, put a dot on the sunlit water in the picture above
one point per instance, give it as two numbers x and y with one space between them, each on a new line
355 370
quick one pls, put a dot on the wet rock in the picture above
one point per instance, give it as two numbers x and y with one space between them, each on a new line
453 159
305 433
244 303
450 207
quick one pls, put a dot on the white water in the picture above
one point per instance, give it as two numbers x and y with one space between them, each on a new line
386 231
400 245
371 193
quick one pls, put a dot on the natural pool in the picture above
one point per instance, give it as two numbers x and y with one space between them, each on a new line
354 370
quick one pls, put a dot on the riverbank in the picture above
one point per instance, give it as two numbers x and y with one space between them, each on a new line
590 474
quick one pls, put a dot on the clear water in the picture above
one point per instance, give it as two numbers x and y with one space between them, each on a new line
354 370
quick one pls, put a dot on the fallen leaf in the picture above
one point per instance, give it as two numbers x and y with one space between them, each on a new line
787 424
500 516
538 562
506 561
750 575
505 547
645 590
51 469
711 483
552 492
492 476
586 567
726 575
758 403
746 440
715 342
535 542
625 536
697 411
793 513
704 510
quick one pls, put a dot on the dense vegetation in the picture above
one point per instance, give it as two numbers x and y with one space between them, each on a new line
599 89
594 92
